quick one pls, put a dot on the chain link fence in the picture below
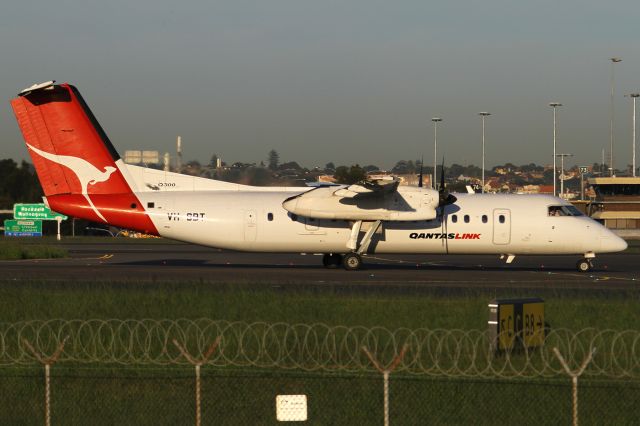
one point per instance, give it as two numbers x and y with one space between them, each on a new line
136 372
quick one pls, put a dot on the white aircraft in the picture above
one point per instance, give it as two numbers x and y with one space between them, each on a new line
83 176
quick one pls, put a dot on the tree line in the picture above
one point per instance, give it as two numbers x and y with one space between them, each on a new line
18 184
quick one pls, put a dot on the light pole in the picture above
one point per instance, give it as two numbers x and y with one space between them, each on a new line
482 115
554 105
634 96
562 171
613 61
435 150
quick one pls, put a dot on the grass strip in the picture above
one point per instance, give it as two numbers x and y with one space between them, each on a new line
11 250
21 301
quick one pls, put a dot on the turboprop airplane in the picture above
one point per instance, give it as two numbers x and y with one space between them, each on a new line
83 176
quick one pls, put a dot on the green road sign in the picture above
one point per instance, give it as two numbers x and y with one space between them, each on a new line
23 228
35 211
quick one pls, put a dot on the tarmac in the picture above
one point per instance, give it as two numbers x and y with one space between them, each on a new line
159 261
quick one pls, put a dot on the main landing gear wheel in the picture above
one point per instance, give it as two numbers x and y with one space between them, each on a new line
584 265
352 261
331 260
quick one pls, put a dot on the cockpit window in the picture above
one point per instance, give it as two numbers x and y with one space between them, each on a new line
562 210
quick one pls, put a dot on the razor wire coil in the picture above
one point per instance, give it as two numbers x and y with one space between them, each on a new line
316 347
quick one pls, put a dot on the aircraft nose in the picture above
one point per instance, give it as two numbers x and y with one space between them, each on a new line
610 242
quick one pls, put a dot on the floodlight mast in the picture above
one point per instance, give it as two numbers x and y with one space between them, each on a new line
435 120
613 61
554 105
482 115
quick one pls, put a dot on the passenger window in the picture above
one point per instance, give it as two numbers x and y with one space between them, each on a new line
485 219
501 218
466 218
270 217
454 218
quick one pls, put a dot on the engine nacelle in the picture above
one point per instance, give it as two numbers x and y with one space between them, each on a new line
406 204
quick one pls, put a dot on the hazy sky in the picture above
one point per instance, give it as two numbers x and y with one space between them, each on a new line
343 81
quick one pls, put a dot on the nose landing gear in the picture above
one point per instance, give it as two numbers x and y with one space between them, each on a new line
584 265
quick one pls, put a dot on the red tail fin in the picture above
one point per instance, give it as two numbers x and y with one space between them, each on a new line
79 169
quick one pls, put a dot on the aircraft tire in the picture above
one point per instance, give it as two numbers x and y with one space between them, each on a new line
584 265
352 261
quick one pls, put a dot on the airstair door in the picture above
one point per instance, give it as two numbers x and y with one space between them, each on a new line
501 226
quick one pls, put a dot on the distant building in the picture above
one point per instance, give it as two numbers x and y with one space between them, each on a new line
142 157
546 189
616 203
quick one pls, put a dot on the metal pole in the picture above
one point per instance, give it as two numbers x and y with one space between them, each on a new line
47 394
562 171
574 379
47 362
483 154
386 398
613 61
197 364
555 176
483 115
385 374
554 105
633 146
561 176
435 150
198 415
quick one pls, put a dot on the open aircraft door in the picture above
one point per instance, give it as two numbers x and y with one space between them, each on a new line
501 226
250 225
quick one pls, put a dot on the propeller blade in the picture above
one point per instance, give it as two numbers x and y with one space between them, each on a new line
445 198
420 176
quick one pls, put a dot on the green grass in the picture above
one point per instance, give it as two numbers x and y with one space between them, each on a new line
66 240
81 299
16 250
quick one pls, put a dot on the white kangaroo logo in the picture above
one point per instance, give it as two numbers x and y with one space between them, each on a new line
86 172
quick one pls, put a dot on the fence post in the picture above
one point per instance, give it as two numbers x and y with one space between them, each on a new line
198 363
385 374
48 362
574 379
